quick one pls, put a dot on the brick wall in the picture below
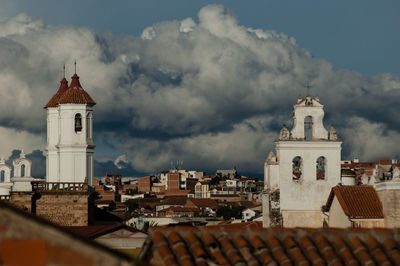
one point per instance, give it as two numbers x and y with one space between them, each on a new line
62 208
144 184
66 209
21 200
173 181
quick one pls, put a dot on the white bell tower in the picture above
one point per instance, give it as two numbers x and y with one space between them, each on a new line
70 146
298 179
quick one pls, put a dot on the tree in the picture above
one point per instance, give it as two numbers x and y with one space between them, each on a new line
132 205
228 212
131 191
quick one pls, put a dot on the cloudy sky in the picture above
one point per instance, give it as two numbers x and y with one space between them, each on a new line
203 83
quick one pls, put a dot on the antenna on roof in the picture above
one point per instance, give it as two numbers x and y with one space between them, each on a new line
75 66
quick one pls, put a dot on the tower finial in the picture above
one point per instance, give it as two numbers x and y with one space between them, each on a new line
64 70
308 86
75 66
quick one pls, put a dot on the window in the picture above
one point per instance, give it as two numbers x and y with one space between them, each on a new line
78 123
2 176
22 170
308 124
296 167
321 163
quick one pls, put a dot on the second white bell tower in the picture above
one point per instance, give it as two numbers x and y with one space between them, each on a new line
299 177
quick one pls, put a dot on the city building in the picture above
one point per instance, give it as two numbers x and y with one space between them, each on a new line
354 206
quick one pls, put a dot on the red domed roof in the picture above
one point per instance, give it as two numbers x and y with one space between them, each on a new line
54 100
72 94
75 94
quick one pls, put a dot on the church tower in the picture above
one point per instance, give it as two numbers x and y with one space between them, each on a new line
70 146
299 177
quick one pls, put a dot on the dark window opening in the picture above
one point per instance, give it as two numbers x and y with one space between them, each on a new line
23 170
78 123
321 163
296 167
308 125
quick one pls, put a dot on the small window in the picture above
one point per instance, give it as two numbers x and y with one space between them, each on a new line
321 163
2 176
296 167
78 123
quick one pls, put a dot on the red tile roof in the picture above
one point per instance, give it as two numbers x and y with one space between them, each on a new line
75 94
181 209
357 202
250 244
203 203
384 161
54 100
94 231
72 94
177 200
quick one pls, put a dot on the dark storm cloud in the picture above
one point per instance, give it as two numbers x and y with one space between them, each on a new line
213 94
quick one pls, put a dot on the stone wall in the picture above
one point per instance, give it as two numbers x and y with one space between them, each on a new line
21 200
391 206
312 219
65 208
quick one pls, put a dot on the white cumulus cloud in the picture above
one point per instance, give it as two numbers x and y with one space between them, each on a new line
213 93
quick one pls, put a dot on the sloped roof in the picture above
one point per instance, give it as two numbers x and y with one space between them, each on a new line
54 100
180 209
72 94
75 94
250 244
94 231
204 203
357 202
174 200
23 231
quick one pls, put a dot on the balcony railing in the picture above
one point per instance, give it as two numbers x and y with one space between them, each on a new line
57 186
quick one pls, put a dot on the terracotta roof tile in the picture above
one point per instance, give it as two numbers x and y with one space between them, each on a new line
75 94
185 245
392 250
360 251
202 203
357 202
180 209
327 251
376 251
54 100
344 251
311 251
94 231
72 94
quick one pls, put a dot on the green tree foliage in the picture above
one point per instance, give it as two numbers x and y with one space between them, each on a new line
228 212
131 191
132 205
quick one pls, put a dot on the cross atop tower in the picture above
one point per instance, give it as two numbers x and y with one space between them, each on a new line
308 86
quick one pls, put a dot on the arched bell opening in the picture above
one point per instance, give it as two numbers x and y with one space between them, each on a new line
297 168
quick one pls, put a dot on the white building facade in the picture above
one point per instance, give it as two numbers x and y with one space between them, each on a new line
299 176
70 146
